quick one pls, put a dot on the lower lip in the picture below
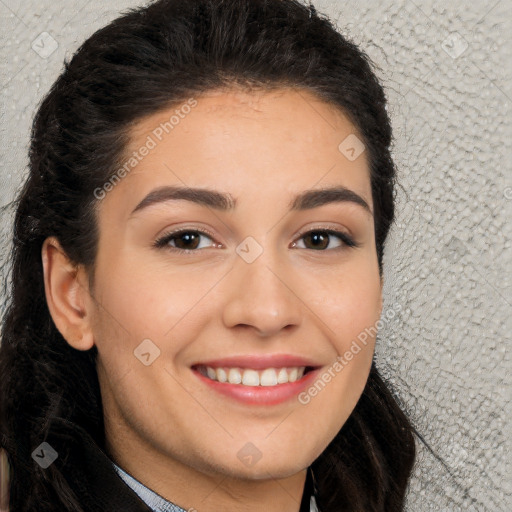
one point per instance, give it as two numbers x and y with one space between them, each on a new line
260 395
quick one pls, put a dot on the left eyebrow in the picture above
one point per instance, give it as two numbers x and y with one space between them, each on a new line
306 200
318 197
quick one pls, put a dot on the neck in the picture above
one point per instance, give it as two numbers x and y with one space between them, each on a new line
199 489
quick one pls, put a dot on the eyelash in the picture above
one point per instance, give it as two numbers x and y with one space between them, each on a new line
162 242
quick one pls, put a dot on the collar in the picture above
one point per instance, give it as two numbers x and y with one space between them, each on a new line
159 504
98 486
153 500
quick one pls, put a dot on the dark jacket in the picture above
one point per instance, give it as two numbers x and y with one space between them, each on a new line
91 475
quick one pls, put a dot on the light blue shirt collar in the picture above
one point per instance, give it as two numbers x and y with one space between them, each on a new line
158 504
153 500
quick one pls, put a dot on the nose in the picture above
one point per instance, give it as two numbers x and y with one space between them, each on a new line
261 297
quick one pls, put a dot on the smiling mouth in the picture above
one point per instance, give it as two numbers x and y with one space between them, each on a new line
266 377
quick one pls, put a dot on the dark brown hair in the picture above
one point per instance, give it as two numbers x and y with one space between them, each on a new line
142 62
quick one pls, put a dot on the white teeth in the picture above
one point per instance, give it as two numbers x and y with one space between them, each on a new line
234 376
282 377
292 376
250 377
268 377
222 376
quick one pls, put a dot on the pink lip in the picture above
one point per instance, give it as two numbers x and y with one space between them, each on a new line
260 395
259 362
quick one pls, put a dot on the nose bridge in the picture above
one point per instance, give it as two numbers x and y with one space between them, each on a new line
260 293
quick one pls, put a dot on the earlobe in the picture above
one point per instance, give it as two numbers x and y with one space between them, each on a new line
67 295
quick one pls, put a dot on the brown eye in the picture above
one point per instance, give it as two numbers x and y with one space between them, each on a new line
317 240
187 240
184 240
320 240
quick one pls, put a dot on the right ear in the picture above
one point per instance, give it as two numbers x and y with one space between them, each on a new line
67 295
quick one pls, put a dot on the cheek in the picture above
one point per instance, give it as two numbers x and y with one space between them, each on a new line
348 304
138 303
150 301
127 313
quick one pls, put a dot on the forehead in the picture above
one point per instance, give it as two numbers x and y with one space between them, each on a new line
296 113
253 144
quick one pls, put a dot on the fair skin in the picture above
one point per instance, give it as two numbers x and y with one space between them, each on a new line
164 425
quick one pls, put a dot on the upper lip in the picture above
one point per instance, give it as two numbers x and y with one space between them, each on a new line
259 362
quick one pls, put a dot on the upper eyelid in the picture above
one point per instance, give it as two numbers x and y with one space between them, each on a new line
324 228
332 229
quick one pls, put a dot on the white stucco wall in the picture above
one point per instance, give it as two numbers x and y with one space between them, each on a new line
446 68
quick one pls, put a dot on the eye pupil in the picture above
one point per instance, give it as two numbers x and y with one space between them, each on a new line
187 237
319 239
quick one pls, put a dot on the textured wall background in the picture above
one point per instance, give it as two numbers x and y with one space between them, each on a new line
447 70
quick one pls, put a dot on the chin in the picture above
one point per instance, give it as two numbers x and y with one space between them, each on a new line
262 468
264 471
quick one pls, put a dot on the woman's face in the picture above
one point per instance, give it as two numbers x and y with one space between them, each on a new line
262 292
